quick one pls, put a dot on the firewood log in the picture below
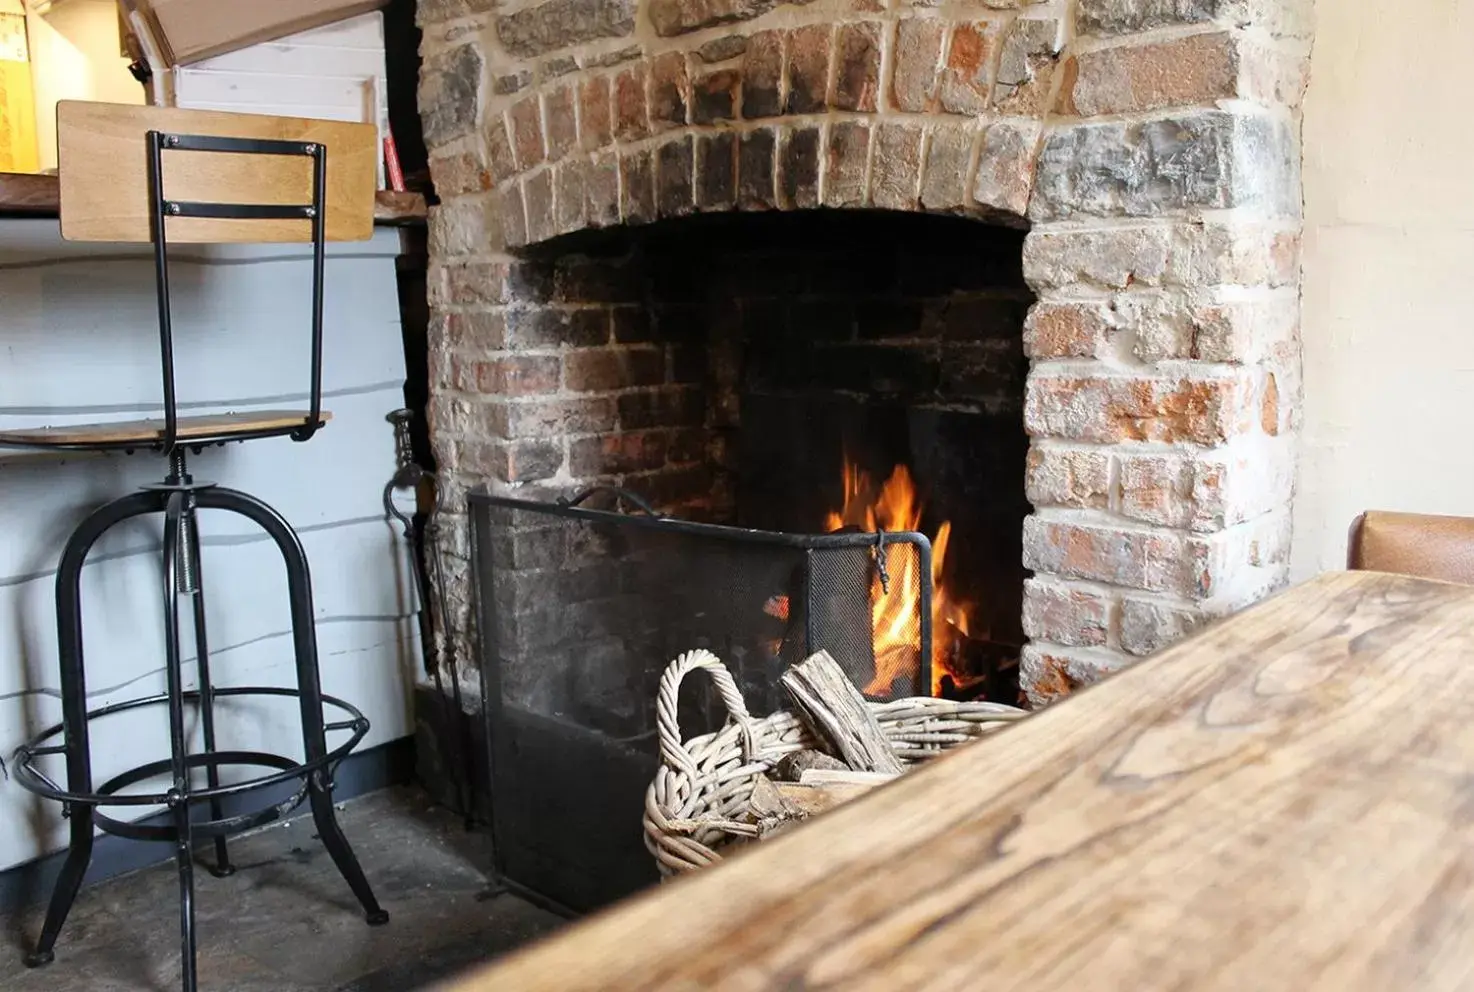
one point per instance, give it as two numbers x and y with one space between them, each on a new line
833 709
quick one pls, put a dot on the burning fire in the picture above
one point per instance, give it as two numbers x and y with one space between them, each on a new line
897 636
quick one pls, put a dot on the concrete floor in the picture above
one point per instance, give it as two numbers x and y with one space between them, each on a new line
286 922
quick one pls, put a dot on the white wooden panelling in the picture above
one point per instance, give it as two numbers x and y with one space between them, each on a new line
78 342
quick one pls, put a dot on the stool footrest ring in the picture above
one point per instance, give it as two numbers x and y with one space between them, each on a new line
108 794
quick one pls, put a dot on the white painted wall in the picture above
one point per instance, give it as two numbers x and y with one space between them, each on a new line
1388 317
79 343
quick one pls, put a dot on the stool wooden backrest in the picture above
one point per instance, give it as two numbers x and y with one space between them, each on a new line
102 158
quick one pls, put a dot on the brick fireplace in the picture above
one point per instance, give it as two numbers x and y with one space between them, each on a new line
1097 282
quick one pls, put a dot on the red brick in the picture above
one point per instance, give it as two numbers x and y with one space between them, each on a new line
966 83
603 369
857 66
1048 674
476 282
808 69
1064 614
844 180
518 375
525 122
537 195
1149 625
476 332
1159 489
762 72
595 126
669 91
562 128
630 121
1067 330
616 454
896 168
918 49
1150 560
1069 477
1110 409
551 418
457 174
520 461
714 96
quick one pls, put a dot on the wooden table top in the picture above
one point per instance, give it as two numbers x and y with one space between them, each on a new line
1283 802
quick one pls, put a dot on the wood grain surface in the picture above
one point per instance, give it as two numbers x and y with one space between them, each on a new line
1283 802
103 165
212 425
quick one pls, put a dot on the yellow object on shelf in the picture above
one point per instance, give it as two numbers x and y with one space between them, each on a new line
18 149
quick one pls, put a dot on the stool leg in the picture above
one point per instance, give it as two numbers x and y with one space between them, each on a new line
304 638
193 586
178 746
74 709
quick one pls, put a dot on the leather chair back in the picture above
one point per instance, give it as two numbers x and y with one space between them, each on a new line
1429 547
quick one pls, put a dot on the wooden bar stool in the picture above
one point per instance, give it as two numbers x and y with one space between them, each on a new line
145 174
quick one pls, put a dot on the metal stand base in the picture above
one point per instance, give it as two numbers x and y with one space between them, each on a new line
178 499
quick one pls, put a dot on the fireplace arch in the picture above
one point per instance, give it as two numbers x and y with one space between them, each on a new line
1149 147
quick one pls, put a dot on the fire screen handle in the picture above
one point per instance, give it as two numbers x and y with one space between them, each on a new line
672 749
619 494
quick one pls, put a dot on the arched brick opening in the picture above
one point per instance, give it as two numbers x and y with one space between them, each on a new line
1151 146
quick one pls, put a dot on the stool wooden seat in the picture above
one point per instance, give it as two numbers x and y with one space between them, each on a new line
214 428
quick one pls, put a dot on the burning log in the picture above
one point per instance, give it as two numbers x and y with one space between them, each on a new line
830 706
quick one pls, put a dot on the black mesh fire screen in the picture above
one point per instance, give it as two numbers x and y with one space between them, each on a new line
581 610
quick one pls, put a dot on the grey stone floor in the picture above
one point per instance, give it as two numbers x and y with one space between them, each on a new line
286 922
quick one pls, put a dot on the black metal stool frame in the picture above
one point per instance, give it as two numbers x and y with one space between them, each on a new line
178 498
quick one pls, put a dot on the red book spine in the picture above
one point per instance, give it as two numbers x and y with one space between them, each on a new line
391 165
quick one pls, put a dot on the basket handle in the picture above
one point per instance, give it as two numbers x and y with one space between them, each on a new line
672 749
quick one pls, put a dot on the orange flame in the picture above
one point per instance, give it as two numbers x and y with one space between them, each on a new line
893 614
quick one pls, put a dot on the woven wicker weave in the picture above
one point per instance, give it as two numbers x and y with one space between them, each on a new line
698 803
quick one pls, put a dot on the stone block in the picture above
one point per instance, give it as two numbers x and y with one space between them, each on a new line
1197 69
674 165
715 96
966 78
559 24
637 187
433 11
511 82
798 175
524 120
918 50
1078 478
716 171
808 69
595 125
673 17
1068 330
537 196
1006 168
948 158
1197 161
762 76
669 92
449 84
1027 60
722 49
518 375
1062 613
857 66
1193 408
756 169
561 122
597 370
896 166
845 164
1114 17
630 120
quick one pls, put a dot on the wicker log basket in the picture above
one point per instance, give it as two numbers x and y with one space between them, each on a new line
698 804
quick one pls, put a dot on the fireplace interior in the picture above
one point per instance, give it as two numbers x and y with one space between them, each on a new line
807 374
